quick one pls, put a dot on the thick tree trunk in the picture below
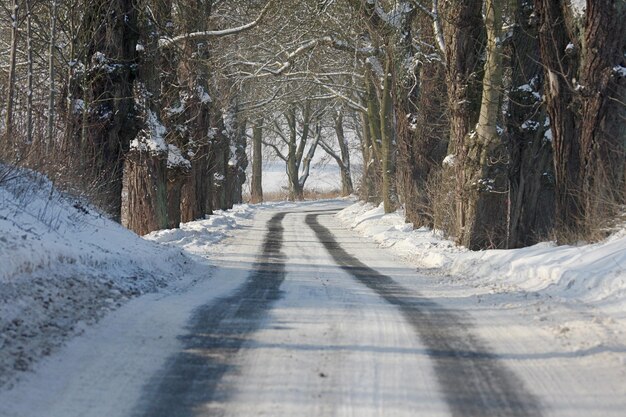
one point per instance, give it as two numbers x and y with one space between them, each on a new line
531 175
236 160
197 190
144 200
560 69
195 138
462 30
603 128
484 178
256 189
176 178
148 184
104 89
422 139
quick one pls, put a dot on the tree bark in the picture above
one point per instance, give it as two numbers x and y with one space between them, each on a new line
560 69
193 79
107 124
422 119
388 148
603 111
52 74
144 206
144 199
531 174
8 120
256 191
367 186
346 175
463 32
484 164
30 75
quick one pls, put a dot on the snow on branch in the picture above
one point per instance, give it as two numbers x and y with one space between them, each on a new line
326 41
167 42
434 15
353 104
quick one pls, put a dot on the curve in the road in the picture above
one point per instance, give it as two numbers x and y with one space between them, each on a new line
189 383
473 381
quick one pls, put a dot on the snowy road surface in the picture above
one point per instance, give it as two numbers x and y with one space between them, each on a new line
304 318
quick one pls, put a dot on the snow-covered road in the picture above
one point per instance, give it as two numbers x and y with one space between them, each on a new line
302 317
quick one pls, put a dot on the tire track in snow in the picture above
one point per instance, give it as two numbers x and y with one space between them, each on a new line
189 384
472 380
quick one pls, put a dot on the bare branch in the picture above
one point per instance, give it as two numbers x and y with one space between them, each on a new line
168 42
278 152
326 41
353 104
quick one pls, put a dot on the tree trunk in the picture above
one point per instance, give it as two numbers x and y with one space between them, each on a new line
346 176
422 119
8 121
375 135
559 70
603 131
388 148
241 163
219 166
107 124
296 146
29 87
484 177
256 189
149 146
52 74
176 178
531 175
190 94
462 30
144 200
368 186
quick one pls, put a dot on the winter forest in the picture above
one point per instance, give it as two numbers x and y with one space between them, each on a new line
499 122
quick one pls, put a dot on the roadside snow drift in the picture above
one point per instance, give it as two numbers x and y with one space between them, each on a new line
62 265
591 274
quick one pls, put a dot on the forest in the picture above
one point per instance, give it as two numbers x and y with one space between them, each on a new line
501 123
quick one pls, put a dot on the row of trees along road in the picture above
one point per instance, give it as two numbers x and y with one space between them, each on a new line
500 122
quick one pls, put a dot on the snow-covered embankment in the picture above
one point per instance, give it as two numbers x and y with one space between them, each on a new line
63 265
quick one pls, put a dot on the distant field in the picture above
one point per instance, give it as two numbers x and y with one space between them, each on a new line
322 179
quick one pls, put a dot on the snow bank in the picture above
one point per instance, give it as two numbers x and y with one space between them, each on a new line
591 274
62 265
199 236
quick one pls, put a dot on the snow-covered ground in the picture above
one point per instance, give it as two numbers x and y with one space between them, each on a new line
554 316
63 265
576 292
